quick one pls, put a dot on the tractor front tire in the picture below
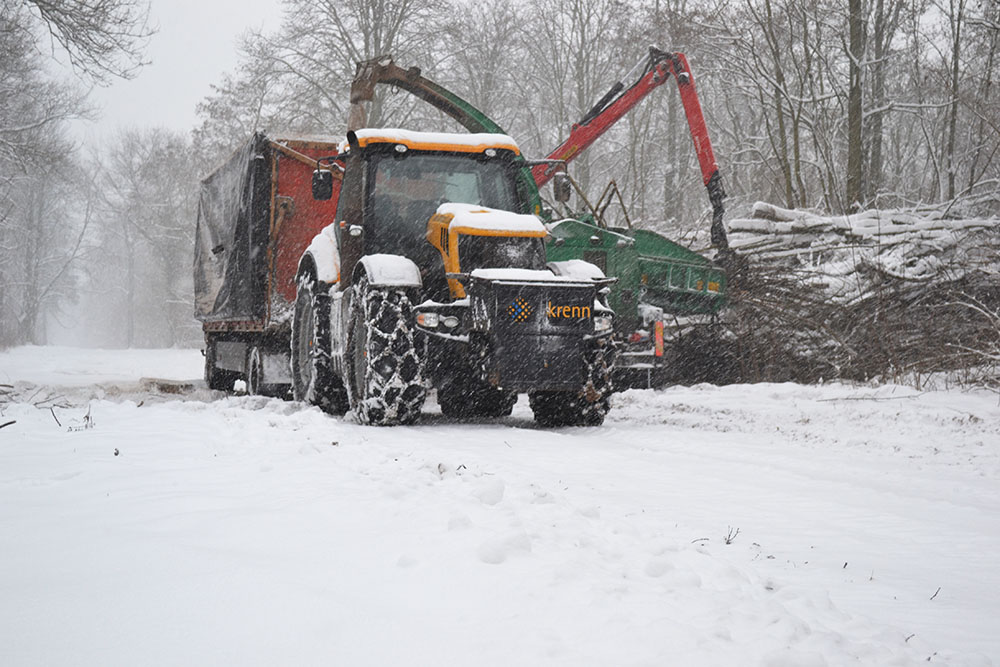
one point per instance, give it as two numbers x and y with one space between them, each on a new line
586 407
387 368
313 379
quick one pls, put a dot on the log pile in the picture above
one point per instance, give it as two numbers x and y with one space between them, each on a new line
888 295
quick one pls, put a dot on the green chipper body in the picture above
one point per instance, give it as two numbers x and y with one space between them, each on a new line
658 281
650 269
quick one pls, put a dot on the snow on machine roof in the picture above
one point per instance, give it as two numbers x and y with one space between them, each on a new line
434 141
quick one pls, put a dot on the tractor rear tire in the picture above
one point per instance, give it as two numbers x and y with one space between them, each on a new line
586 407
387 368
313 379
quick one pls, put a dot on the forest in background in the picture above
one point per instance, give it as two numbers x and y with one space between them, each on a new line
833 106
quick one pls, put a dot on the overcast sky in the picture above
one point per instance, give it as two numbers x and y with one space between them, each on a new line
195 44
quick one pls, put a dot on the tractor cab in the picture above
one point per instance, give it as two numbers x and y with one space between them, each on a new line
403 177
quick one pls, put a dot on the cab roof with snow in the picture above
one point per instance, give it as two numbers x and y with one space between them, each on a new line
434 141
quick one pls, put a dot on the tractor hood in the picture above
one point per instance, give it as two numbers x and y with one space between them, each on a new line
485 221
475 237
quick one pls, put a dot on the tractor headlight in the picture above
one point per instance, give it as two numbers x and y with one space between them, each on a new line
602 324
428 320
450 321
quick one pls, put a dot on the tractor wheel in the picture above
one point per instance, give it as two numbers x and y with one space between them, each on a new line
313 379
387 369
458 400
586 407
217 379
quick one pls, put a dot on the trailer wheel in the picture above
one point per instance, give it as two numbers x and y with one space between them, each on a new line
255 376
217 379
255 371
313 379
387 369
586 407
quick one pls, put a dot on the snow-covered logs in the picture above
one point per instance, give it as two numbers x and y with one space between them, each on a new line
877 293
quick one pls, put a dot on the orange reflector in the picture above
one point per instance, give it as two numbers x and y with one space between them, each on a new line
713 286
659 338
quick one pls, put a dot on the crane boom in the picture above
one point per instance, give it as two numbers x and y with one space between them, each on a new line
656 68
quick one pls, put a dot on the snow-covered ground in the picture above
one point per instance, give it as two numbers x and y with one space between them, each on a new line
863 527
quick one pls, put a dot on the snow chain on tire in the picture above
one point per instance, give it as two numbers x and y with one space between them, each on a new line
389 374
313 379
586 407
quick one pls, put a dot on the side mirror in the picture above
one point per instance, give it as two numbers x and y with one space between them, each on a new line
322 184
561 188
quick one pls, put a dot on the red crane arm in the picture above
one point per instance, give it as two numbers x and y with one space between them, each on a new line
696 120
658 66
603 115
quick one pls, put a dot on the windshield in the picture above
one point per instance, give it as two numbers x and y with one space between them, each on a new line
500 252
405 189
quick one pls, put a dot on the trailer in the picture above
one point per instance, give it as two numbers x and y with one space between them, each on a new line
256 217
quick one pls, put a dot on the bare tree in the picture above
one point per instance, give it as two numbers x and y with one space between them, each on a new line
886 19
103 39
148 190
486 63
296 78
957 15
35 217
43 243
247 100
984 146
576 50
856 52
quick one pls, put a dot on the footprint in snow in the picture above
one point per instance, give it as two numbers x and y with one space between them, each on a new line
541 497
498 550
657 567
490 492
459 522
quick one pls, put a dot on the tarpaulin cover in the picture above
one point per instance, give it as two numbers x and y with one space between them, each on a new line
230 257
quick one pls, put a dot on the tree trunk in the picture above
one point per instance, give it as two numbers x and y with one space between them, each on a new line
791 200
855 106
129 288
874 171
957 17
984 101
